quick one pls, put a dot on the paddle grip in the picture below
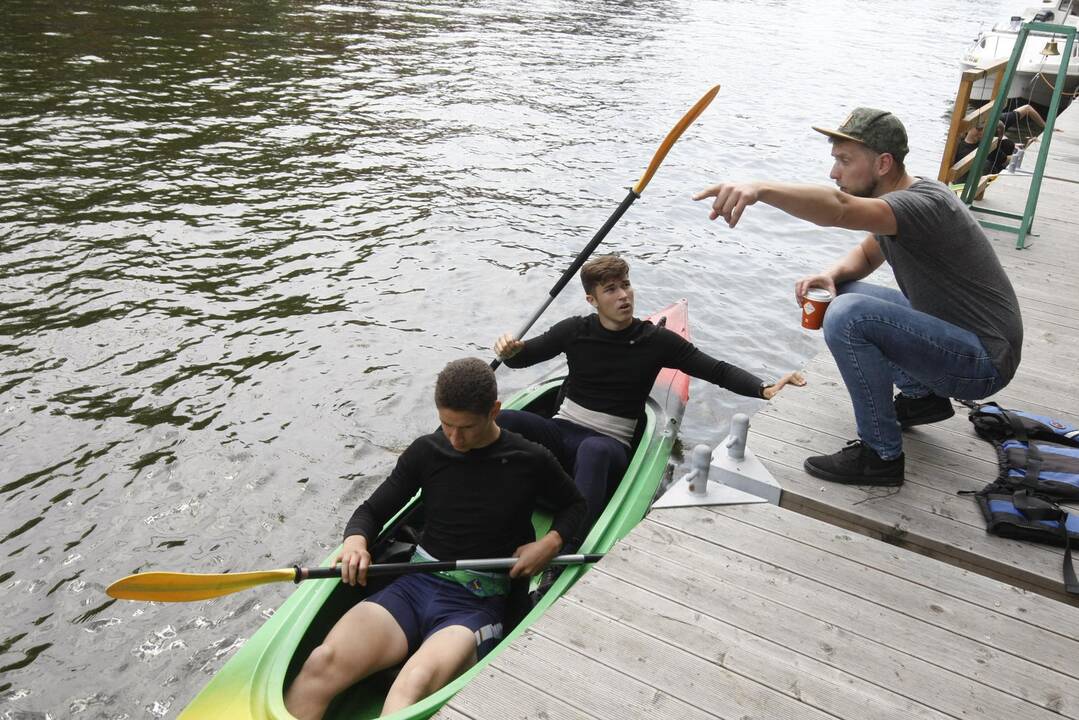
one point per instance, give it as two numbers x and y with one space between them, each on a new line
318 573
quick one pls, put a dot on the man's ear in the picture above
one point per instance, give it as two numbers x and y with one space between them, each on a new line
885 163
591 300
495 409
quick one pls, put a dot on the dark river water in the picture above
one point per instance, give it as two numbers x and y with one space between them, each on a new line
238 239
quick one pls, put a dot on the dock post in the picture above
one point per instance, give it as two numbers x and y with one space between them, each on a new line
739 468
694 489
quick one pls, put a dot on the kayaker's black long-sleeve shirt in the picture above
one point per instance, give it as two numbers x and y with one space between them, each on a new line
612 372
479 503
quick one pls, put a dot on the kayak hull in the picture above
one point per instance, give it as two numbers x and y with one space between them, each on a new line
250 685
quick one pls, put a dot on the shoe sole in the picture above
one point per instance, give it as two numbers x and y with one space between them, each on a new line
926 420
847 480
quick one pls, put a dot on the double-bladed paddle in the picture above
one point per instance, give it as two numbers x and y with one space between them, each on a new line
634 193
189 587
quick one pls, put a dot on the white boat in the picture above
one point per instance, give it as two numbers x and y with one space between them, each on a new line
1037 71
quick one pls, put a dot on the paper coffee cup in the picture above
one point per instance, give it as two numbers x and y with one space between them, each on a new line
814 303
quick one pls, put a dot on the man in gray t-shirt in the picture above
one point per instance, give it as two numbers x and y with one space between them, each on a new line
952 330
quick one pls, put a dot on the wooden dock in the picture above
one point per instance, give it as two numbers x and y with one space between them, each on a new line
843 602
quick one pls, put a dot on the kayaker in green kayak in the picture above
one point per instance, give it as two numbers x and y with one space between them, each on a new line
480 486
613 360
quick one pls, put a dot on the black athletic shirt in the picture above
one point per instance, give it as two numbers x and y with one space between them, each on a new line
477 504
613 372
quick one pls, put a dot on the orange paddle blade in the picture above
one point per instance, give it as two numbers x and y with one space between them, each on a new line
672 137
188 587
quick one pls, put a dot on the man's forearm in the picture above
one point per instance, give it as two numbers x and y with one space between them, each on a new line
818 204
852 266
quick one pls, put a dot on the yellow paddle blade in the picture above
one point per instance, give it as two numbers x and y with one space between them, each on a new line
188 587
673 136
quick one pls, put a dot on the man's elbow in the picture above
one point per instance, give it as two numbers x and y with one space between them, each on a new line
870 215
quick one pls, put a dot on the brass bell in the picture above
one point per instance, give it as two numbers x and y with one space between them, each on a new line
1050 48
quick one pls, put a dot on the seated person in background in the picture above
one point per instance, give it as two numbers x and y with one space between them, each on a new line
1026 113
480 485
998 157
614 360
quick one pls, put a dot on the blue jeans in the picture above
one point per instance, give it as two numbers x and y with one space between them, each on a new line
596 461
878 339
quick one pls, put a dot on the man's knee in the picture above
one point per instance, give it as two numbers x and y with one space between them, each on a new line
842 312
320 664
417 679
600 451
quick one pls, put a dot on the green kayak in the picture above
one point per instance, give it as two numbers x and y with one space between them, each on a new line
251 684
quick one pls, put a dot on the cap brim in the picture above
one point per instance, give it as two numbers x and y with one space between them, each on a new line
838 135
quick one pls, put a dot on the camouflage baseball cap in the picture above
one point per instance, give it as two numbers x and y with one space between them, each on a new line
878 130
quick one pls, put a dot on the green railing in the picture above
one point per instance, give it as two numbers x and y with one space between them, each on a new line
970 189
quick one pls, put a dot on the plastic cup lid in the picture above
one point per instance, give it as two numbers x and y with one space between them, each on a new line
818 295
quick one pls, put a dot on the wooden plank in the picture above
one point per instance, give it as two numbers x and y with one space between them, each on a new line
990 595
917 516
576 668
704 683
448 712
932 666
1053 649
965 455
1009 194
496 693
771 663
812 589
937 480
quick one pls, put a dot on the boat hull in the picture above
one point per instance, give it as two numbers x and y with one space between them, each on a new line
1035 74
250 685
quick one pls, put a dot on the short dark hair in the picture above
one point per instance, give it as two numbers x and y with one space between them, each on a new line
467 385
603 269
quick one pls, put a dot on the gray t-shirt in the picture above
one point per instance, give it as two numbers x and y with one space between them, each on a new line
946 267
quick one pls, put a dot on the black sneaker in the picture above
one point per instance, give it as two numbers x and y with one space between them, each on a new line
911 411
856 464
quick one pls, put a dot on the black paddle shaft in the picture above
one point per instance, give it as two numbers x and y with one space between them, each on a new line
404 568
576 265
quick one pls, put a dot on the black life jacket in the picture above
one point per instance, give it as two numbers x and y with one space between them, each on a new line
1039 470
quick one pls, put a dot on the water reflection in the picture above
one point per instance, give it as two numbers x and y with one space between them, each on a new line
237 238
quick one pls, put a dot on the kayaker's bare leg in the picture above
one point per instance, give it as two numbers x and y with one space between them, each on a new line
442 657
366 639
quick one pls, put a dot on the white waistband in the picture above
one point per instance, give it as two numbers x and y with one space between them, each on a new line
619 428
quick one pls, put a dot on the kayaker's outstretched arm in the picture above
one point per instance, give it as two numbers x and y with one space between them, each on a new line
516 353
683 355
792 378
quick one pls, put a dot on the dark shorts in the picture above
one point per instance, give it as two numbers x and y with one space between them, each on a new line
424 604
